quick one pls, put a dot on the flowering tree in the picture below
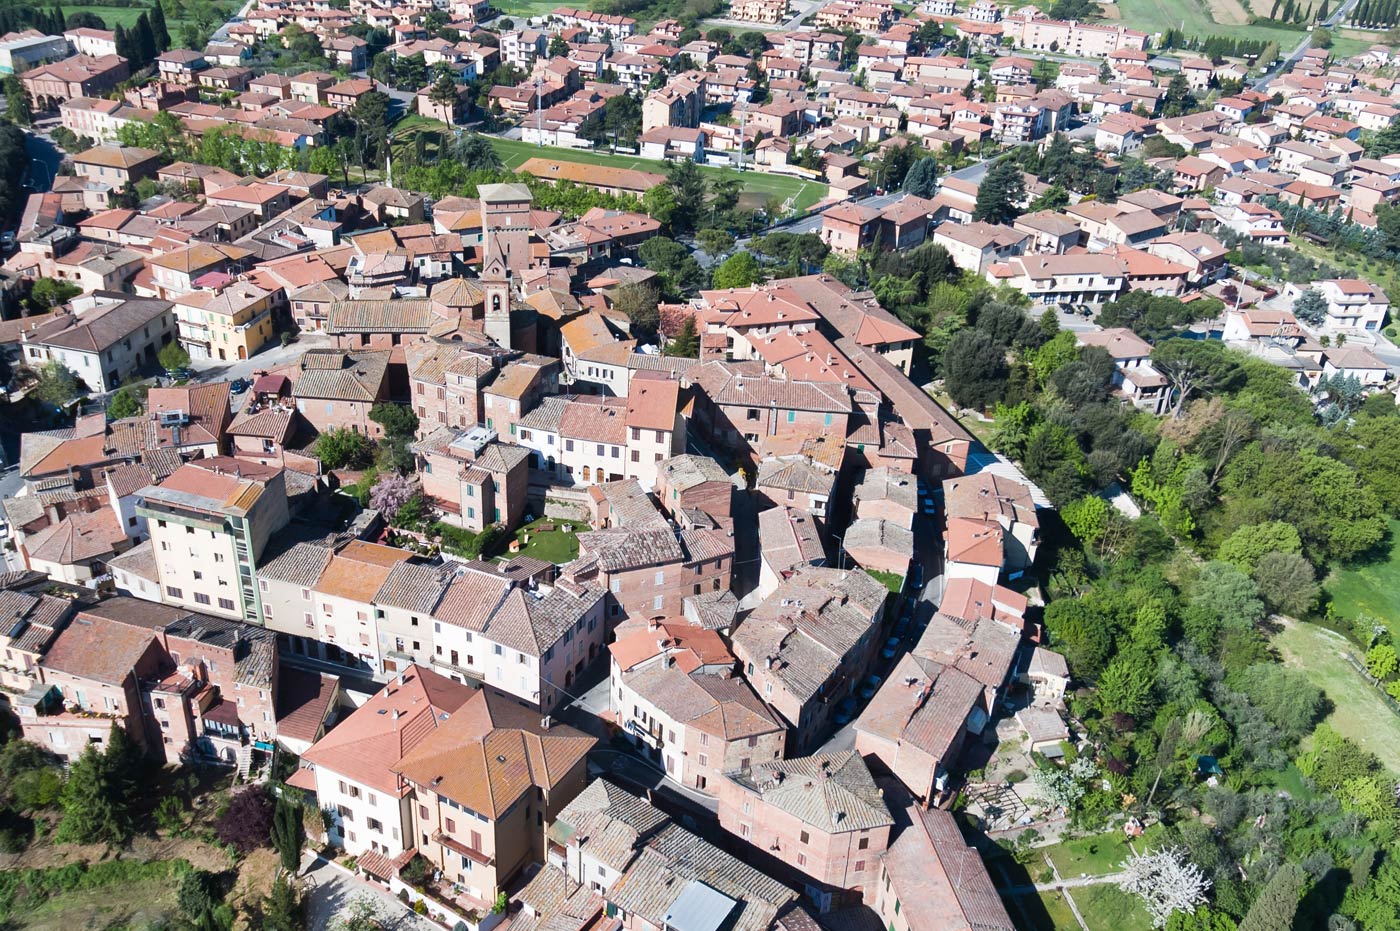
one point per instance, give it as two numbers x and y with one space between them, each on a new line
1064 787
390 493
1166 882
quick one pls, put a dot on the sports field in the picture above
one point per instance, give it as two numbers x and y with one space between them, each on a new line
803 194
1203 18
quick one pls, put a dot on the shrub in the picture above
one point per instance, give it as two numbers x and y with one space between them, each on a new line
247 824
1015 776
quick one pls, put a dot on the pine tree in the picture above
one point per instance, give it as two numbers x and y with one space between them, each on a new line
159 29
145 39
97 796
1002 189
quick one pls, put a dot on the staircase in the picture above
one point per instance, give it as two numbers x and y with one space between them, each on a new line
244 759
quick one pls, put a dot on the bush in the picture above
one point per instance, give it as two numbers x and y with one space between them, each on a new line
1015 776
343 448
247 824
170 814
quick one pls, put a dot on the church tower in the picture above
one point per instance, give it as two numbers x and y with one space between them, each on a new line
505 224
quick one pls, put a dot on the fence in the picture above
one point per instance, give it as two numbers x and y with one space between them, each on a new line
1390 702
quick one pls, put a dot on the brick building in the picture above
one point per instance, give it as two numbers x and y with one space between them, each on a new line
820 815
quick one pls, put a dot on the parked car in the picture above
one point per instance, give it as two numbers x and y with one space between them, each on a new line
846 711
871 686
891 648
240 385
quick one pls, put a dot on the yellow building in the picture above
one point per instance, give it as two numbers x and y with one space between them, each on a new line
231 323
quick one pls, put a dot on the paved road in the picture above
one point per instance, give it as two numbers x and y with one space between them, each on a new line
329 892
1334 20
221 34
274 357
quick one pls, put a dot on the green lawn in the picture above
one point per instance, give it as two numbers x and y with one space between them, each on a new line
1154 16
1372 588
127 16
804 193
557 546
1358 711
1044 911
1107 908
528 7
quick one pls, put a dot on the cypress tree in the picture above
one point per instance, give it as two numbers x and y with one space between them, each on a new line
1288 12
145 39
1277 903
159 29
1273 10
1362 12
1322 12
123 43
287 832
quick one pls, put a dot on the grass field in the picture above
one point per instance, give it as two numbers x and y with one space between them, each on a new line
1384 274
1099 855
1107 908
1357 709
803 193
120 906
1195 19
127 15
1371 588
527 7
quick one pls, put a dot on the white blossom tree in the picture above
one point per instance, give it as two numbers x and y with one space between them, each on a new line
1063 787
1166 882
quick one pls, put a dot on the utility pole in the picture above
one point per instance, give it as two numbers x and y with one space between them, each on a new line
539 112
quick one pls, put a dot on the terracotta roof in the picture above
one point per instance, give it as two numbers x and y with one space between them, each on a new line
940 880
368 745
491 751
832 792
99 648
359 570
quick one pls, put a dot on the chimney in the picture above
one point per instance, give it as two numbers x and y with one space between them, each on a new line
397 714
545 723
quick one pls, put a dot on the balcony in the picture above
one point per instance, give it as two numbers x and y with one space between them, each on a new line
457 847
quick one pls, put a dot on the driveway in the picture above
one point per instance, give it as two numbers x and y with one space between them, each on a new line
329 892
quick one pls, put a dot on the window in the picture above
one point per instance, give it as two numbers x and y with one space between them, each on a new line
864 843
201 598
806 838
801 859
226 604
174 592
860 866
